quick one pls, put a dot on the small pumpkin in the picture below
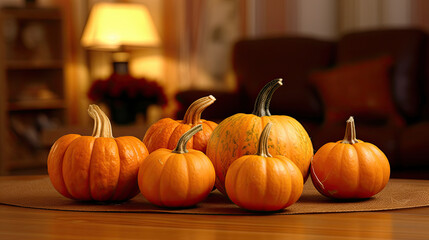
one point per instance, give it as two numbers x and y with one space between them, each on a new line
351 168
238 135
97 167
262 182
166 132
178 178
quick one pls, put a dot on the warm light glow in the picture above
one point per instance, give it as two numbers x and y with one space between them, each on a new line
115 26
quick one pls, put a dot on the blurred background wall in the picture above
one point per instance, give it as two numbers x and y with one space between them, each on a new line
197 37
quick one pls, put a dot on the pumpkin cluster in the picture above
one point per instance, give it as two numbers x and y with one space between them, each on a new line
107 169
260 161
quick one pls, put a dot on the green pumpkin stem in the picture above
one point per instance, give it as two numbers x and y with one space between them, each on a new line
350 136
183 140
193 113
263 141
102 126
262 103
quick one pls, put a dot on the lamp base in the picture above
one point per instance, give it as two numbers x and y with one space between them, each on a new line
120 68
120 62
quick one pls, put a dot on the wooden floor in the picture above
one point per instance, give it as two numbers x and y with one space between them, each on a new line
25 223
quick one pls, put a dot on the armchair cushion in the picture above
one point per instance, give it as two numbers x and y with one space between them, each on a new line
407 48
360 89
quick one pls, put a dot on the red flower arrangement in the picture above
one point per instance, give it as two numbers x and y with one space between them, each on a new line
129 94
127 88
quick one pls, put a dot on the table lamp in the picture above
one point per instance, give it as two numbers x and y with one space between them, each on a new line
119 27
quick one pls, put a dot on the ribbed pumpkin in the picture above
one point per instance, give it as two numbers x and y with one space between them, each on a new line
351 168
178 178
97 167
238 135
264 183
166 132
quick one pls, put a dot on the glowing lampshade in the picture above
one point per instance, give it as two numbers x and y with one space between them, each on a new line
116 26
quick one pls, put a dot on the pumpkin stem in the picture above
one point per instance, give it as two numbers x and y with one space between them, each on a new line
262 103
183 140
102 126
193 113
263 141
350 136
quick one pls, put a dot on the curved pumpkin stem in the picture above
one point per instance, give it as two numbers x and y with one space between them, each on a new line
184 139
193 113
350 136
263 141
102 126
262 103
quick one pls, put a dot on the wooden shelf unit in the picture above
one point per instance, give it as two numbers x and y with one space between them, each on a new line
32 84
24 65
37 105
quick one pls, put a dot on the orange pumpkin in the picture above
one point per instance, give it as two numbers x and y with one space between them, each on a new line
238 135
97 167
350 169
264 183
166 132
178 178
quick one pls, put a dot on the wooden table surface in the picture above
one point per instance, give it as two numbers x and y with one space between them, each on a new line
26 223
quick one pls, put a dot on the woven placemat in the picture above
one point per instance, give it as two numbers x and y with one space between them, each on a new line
39 193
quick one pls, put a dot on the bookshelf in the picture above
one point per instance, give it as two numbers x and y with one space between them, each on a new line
32 84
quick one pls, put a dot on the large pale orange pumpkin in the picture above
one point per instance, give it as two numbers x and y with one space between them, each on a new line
97 167
238 135
166 132
350 169
178 178
262 182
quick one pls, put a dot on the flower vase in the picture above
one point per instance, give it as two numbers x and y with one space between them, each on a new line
122 112
142 106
